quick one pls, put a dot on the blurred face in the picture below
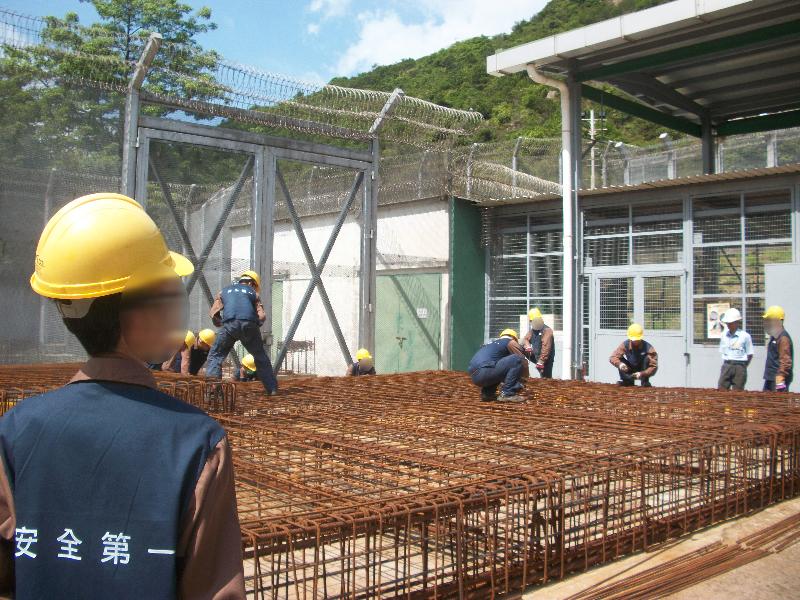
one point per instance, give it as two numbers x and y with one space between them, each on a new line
636 344
773 326
732 327
203 346
537 323
153 323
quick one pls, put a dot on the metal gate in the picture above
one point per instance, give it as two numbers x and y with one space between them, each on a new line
653 298
221 197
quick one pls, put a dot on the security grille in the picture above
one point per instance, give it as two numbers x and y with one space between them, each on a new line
633 235
734 237
616 302
662 303
525 268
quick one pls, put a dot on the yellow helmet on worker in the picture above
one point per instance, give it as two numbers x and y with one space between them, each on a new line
251 275
363 353
635 332
509 333
534 313
207 336
249 363
775 312
102 244
190 339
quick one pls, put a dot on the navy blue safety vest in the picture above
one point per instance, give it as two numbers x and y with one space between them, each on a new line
102 474
239 303
635 357
197 358
357 370
772 363
488 354
536 344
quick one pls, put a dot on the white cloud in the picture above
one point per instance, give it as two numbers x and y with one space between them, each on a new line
384 37
329 8
312 28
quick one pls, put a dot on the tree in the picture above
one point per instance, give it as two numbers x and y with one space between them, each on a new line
63 96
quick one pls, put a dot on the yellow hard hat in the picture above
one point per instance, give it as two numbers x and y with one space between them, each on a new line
635 332
775 312
510 332
94 245
208 336
189 340
249 363
251 275
362 354
534 313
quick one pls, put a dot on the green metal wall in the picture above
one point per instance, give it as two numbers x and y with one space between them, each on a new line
467 282
408 322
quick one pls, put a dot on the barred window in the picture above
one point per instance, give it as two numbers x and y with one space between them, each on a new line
616 302
634 234
734 237
525 268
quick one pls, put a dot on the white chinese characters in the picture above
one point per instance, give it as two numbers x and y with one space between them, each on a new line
69 545
115 548
25 538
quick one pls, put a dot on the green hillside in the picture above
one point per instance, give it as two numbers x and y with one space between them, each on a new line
512 105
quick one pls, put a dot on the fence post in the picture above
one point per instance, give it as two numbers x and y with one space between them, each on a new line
131 123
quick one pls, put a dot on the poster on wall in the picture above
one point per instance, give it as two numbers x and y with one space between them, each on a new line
714 326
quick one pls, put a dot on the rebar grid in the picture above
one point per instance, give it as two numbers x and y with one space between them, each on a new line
409 485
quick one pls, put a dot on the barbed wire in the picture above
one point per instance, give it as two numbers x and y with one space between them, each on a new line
185 78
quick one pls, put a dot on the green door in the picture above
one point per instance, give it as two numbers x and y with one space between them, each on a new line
408 323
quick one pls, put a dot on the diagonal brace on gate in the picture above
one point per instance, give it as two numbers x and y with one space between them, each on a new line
226 211
316 268
181 230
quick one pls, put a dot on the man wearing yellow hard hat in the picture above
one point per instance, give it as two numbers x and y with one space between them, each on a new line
501 361
635 358
193 353
539 344
364 365
247 372
239 314
779 366
117 489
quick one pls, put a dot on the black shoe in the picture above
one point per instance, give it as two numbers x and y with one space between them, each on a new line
488 398
510 398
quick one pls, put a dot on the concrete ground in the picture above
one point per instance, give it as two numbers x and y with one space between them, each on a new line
774 577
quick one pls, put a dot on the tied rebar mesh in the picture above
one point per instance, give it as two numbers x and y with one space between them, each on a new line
408 485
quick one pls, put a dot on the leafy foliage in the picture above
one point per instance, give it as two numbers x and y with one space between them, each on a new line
512 105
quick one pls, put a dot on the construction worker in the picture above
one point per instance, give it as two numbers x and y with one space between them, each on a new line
780 352
193 353
110 488
240 314
247 372
736 347
500 361
364 365
635 359
538 344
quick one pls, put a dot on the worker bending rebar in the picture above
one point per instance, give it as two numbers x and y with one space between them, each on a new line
239 314
500 361
364 364
539 344
635 358
779 367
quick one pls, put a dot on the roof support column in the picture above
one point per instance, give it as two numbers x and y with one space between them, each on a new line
569 92
709 144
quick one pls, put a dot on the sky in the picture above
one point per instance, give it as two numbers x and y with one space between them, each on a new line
315 40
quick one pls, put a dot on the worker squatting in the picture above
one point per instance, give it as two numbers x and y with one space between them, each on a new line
504 361
112 489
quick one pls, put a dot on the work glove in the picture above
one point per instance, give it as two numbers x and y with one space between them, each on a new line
637 375
780 384
540 367
624 368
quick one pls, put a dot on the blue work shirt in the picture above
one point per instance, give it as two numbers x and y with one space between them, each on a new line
737 347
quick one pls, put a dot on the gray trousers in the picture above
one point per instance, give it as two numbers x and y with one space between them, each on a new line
733 376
